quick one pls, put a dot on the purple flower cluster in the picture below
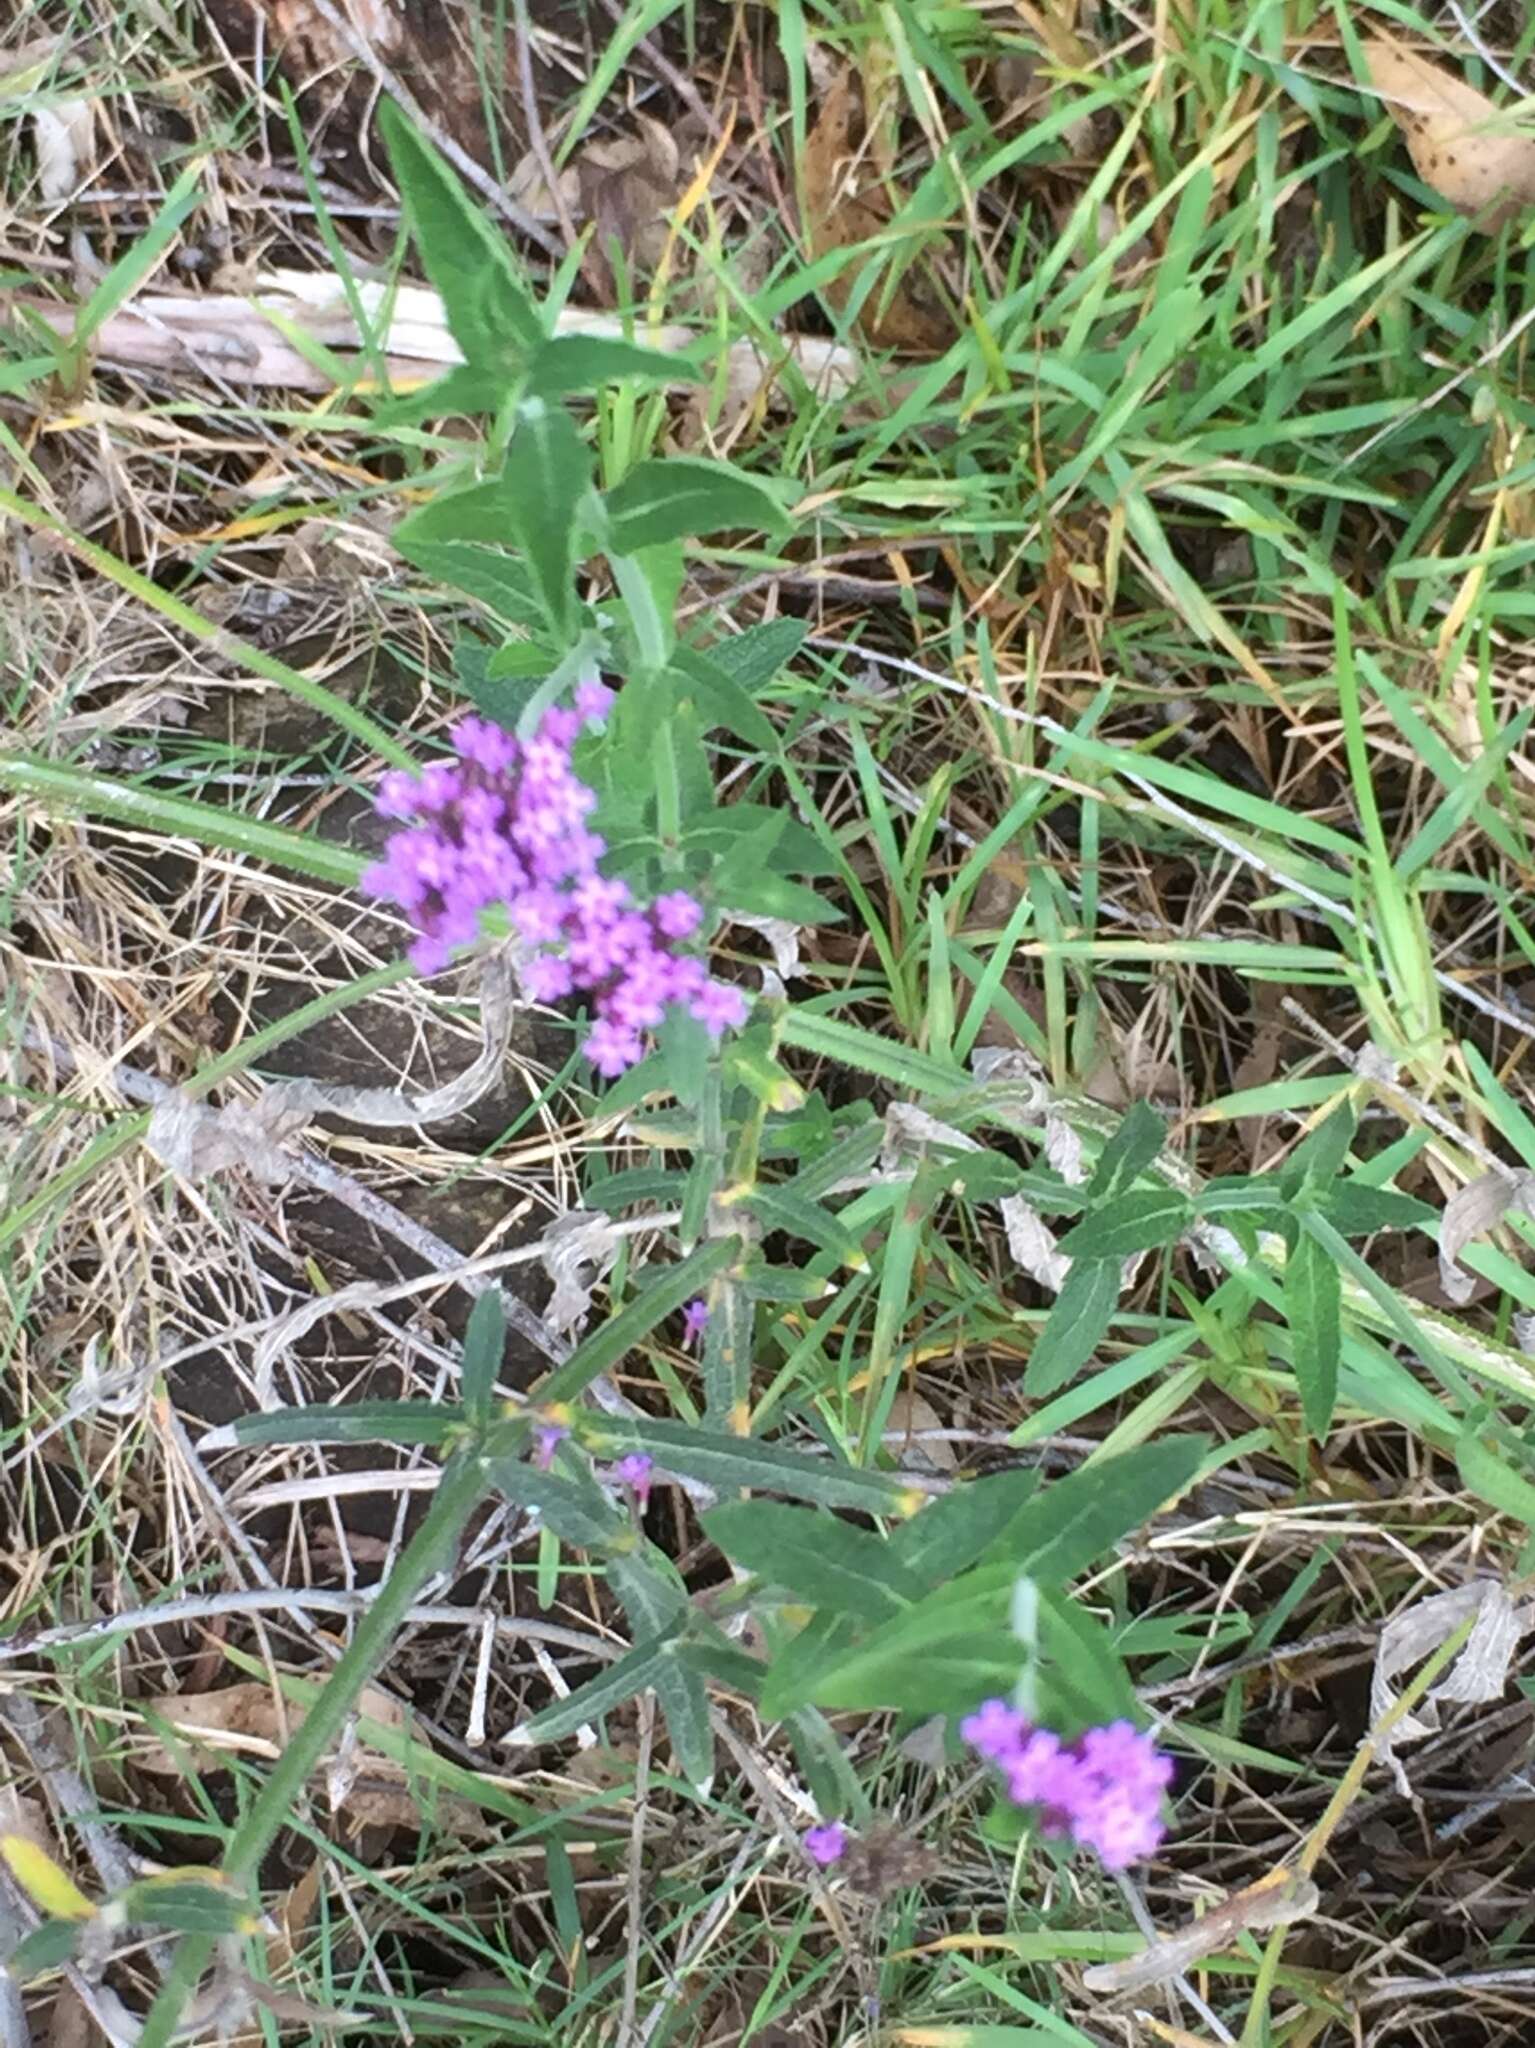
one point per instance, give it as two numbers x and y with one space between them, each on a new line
1105 1789
506 823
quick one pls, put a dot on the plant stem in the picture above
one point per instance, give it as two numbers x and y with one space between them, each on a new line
454 1501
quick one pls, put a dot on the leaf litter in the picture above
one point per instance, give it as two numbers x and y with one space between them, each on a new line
1475 155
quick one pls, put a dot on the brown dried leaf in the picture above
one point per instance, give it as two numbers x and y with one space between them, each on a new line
370 1791
627 186
246 1719
914 1416
1459 142
843 210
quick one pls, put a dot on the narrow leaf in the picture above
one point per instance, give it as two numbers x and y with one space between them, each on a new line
1138 1220
483 1344
1067 1527
1313 1298
1076 1325
547 474
619 1334
489 312
952 1531
1127 1154
582 362
491 576
682 496
752 659
634 1673
822 1561
726 1461
684 1700
353 1422
581 1515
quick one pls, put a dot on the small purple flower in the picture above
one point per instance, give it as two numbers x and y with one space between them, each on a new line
1105 1789
826 1844
695 1320
995 1729
677 915
547 1439
611 1048
719 1008
594 700
635 1471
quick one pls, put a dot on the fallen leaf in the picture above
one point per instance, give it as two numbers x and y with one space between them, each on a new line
627 187
1477 1675
62 135
844 209
1472 1212
249 1720
1460 143
909 1428
245 1720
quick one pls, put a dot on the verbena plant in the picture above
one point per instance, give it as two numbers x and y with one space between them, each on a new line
870 1591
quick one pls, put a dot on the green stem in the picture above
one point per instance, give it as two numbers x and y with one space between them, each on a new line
66 790
259 663
434 1543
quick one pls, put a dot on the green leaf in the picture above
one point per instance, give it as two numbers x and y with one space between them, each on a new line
1357 1209
822 1561
619 1334
649 580
462 391
1320 1159
483 1344
723 1460
635 1672
678 496
765 894
351 1422
578 1513
582 362
491 576
520 662
1063 1529
488 310
650 1590
66 791
1493 1480
189 1906
850 1045
790 1679
1313 1299
955 1647
953 1530
1136 1221
1127 1154
721 700
779 1207
684 1700
46 1948
547 475
1075 1326
752 659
